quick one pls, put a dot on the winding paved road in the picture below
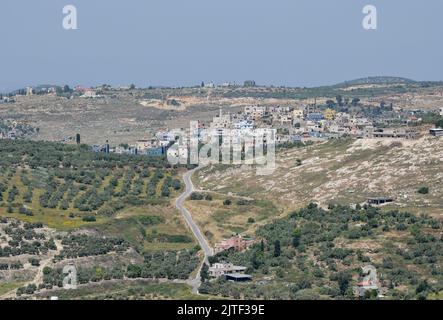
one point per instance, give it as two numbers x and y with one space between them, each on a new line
187 215
208 251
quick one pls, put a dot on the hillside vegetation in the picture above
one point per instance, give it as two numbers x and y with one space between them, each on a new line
111 216
66 186
318 254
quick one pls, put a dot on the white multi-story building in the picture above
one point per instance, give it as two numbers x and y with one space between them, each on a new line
298 113
228 84
144 144
286 119
255 112
181 152
91 94
342 118
222 121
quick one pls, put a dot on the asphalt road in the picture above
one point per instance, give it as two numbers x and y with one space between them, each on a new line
187 215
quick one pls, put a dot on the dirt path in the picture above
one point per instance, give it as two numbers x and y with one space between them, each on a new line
38 279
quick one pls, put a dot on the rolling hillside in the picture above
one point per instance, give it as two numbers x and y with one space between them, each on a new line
337 172
313 229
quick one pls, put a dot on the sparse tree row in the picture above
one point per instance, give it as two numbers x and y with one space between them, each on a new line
75 246
63 156
158 265
11 266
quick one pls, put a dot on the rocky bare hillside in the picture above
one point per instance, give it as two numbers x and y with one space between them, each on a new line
343 172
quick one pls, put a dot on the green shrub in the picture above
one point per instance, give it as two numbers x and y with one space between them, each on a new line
423 190
89 219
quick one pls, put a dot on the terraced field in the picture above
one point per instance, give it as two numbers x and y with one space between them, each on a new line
111 216
68 187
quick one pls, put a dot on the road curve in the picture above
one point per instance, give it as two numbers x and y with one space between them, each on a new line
187 215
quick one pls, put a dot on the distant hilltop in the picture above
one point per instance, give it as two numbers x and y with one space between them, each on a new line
376 80
373 80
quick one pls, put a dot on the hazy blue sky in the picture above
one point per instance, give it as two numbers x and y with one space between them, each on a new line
184 42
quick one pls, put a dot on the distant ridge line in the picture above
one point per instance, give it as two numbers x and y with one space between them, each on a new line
376 80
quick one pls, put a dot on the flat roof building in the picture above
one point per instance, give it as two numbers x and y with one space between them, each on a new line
437 132
238 277
380 200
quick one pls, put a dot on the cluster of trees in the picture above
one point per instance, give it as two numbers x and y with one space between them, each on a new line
201 196
346 104
299 290
29 289
34 262
111 208
25 211
305 245
433 118
89 219
91 200
22 130
25 240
